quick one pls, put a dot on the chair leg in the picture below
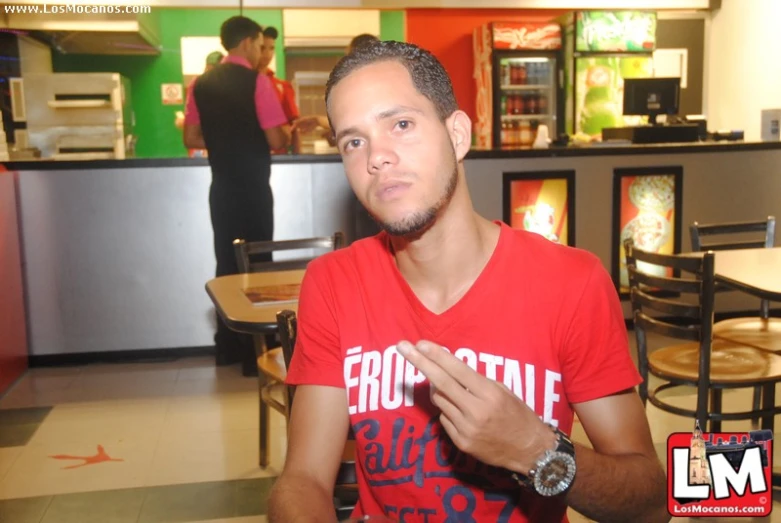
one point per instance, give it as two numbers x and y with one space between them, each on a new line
755 405
702 403
715 408
768 402
264 435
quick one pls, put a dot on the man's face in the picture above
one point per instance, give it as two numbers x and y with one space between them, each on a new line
399 156
266 52
252 49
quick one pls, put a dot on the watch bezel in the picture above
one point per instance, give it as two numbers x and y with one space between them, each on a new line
563 484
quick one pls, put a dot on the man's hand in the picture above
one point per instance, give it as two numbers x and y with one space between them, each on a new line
482 417
308 124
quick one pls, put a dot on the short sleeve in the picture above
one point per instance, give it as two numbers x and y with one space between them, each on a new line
267 106
291 109
317 356
191 115
595 356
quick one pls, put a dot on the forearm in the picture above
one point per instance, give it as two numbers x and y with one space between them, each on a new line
285 504
618 488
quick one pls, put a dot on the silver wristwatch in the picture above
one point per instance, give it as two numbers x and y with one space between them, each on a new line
554 472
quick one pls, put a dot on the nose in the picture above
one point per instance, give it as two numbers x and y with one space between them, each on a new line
381 155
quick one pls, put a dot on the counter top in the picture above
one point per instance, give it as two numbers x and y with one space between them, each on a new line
474 154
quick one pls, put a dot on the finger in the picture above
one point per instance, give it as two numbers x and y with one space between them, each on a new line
460 371
451 429
436 375
447 407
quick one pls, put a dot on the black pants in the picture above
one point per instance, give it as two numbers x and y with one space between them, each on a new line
244 211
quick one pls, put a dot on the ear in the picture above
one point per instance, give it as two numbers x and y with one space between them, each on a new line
459 127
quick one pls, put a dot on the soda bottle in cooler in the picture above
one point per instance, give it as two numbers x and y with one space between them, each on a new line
523 74
503 109
542 103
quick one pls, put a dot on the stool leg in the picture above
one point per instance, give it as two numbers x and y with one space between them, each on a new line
768 402
755 406
715 408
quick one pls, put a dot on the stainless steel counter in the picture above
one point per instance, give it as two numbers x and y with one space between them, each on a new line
116 256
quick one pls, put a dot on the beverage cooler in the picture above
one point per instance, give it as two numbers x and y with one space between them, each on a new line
601 49
519 81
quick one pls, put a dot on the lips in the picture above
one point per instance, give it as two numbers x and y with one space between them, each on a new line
391 190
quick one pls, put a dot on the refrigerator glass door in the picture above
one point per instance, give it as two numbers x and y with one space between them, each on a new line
599 91
527 90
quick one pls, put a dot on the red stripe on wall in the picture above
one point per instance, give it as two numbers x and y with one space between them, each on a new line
13 334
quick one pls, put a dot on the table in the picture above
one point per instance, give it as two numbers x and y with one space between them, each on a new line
238 312
756 272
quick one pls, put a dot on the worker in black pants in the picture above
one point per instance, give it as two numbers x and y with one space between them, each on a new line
234 113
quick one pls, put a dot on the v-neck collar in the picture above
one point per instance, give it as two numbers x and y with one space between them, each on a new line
439 323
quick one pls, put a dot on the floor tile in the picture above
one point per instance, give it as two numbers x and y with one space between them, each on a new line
251 497
243 519
120 506
17 426
180 503
226 412
36 473
23 416
28 510
7 458
208 456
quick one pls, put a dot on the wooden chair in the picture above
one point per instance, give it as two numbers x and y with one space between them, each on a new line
246 250
270 363
710 365
346 491
762 332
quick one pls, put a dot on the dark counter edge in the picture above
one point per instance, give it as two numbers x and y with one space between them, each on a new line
475 154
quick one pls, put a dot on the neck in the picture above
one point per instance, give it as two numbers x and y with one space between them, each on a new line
442 263
263 70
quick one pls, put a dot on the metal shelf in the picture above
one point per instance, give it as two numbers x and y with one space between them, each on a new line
525 87
545 116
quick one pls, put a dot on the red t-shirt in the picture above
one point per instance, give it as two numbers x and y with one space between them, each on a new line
542 318
287 98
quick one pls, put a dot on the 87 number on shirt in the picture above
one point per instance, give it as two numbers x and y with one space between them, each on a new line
462 511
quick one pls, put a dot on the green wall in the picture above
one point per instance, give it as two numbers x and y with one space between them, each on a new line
157 136
393 25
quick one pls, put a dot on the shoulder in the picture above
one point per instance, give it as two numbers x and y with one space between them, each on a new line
349 262
536 252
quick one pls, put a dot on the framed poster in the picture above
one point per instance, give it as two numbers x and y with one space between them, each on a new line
542 202
647 208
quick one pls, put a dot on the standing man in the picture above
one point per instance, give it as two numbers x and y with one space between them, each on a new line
236 116
283 88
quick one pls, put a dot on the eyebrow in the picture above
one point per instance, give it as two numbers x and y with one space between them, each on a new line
389 113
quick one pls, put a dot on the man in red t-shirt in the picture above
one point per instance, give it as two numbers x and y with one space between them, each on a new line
284 89
456 348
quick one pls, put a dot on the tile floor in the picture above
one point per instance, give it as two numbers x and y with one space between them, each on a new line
166 441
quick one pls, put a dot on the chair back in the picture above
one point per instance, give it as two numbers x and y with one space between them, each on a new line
672 306
245 251
762 234
346 499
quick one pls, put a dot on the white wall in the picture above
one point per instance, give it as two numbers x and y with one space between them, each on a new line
744 65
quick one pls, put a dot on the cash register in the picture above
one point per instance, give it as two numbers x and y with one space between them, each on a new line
652 97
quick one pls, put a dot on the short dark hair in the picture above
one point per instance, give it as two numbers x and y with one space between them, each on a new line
428 76
236 29
271 32
361 40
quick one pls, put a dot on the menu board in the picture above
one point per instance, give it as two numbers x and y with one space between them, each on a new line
282 293
616 31
542 202
646 208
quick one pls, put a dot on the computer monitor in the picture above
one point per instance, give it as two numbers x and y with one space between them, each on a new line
651 96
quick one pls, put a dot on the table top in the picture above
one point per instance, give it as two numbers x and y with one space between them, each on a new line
755 271
238 312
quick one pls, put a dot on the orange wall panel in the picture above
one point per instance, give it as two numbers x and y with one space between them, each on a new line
13 332
447 33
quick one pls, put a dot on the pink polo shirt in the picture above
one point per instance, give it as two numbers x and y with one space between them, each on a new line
267 106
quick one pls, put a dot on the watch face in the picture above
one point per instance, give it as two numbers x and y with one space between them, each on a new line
556 475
